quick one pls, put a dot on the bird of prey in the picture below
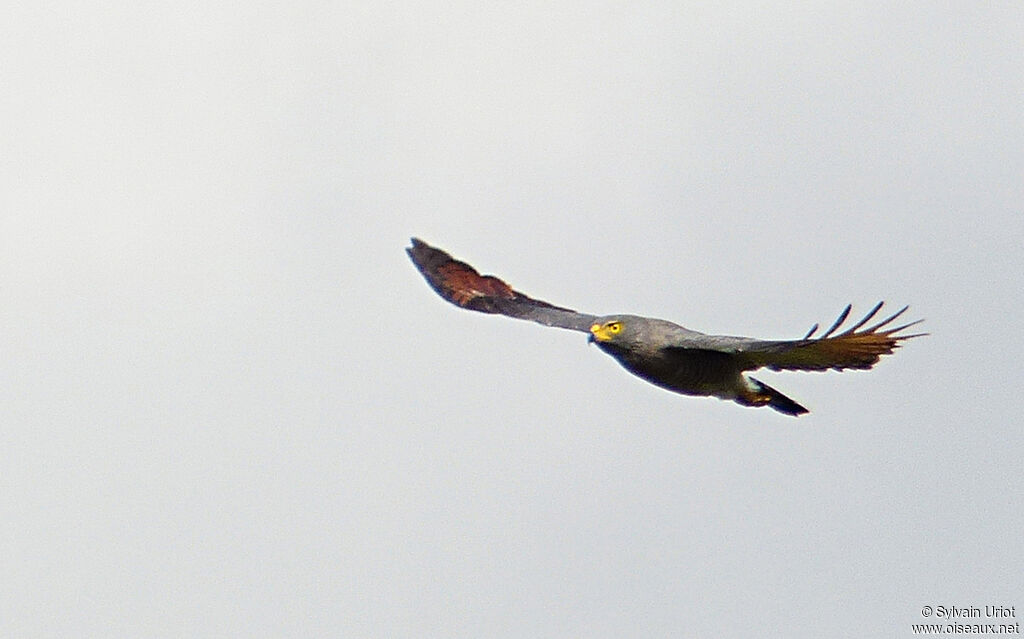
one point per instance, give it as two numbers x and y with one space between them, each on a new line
666 354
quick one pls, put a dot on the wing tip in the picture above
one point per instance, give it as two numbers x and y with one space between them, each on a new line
462 285
876 328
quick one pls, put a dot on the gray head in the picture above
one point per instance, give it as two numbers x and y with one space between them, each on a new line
629 331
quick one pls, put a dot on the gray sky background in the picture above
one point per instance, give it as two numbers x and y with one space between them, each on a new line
231 407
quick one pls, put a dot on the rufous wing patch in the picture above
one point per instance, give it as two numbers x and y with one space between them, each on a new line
854 348
458 282
462 283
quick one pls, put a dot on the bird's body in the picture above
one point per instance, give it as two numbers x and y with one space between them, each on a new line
667 354
687 362
690 372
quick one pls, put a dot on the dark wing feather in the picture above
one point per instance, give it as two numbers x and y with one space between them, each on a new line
854 348
462 285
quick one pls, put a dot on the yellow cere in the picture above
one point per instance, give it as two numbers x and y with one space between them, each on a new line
604 332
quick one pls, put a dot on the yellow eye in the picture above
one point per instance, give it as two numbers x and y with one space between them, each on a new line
615 327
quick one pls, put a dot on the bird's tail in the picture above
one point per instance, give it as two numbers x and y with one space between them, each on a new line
762 394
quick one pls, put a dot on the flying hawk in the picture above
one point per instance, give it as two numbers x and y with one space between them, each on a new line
666 354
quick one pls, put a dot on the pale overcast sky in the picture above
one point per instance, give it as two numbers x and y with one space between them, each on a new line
231 407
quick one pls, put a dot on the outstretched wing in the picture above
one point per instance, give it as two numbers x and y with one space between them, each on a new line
854 348
462 285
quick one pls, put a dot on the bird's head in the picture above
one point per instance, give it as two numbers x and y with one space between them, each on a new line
615 330
605 331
